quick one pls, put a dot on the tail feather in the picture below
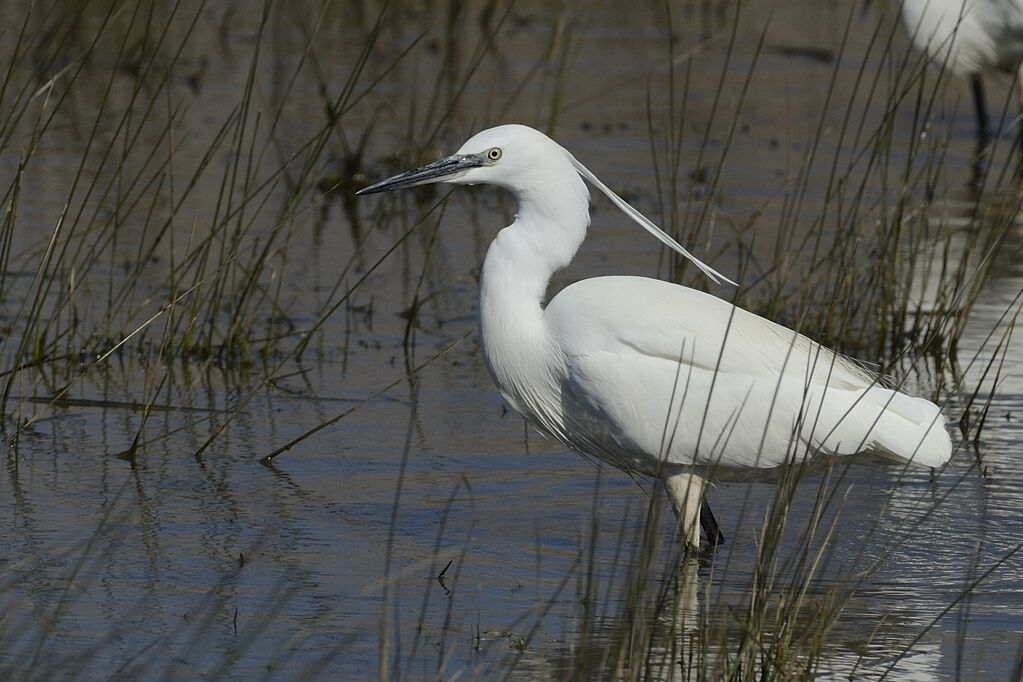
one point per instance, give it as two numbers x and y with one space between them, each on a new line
882 421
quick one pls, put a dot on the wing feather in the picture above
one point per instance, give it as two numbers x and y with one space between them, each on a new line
647 378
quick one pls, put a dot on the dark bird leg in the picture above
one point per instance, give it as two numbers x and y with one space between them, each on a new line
983 124
983 130
710 525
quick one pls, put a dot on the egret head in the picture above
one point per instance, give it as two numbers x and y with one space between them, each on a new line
521 159
503 156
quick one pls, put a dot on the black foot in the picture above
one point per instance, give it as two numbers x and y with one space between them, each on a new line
710 526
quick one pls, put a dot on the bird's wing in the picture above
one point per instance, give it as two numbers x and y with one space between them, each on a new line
680 375
663 320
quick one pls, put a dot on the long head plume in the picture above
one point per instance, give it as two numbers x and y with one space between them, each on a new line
646 224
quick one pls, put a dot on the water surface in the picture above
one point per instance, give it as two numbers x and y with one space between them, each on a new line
191 559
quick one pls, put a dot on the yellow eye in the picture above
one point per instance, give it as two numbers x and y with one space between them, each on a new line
494 154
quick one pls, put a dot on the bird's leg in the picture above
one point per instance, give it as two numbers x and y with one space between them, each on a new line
710 525
983 126
685 490
983 131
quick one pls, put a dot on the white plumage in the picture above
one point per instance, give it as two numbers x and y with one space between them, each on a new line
968 37
747 393
650 376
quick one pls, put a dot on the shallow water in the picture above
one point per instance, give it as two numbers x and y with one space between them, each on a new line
192 559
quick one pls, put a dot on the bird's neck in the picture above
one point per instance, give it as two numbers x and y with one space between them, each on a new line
548 230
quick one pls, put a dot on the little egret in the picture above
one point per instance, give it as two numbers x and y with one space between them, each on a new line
968 37
652 377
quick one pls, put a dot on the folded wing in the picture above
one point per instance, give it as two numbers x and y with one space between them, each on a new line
654 371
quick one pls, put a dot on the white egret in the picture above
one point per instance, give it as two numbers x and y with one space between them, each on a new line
650 376
968 37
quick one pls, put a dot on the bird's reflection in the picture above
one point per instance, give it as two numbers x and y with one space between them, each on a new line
681 653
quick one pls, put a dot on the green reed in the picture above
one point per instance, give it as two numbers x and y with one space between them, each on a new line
215 230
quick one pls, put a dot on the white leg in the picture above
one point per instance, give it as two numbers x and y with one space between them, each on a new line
685 490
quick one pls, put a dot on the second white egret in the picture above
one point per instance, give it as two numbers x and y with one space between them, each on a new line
969 38
649 376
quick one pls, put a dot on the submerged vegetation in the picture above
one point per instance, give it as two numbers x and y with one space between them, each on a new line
186 276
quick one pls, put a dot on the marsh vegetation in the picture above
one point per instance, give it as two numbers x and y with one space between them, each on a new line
247 430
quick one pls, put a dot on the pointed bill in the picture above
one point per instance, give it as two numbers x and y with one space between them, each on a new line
438 171
646 224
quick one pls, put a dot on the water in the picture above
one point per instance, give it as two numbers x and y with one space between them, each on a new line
194 560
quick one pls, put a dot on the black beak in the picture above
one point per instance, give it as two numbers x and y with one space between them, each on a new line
433 172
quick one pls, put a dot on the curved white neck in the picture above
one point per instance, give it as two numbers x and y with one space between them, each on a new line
548 230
